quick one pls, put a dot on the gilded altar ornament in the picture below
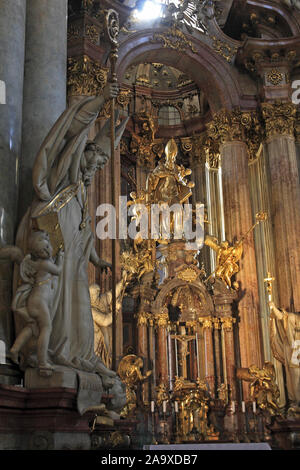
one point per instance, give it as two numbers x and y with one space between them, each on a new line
223 393
227 259
188 274
85 77
162 394
167 185
229 255
275 77
269 285
193 399
263 388
175 39
130 373
279 118
122 101
142 143
227 51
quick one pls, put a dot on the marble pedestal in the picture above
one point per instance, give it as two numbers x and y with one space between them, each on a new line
42 419
88 385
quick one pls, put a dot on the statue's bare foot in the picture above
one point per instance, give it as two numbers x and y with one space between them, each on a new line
45 370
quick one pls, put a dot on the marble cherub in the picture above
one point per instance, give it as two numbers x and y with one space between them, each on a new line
33 299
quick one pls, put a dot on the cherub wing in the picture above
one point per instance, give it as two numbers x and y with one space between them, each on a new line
212 242
28 270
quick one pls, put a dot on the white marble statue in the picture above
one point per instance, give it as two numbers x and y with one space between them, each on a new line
285 344
34 298
102 314
63 169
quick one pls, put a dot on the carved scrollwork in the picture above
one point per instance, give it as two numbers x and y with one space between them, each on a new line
86 77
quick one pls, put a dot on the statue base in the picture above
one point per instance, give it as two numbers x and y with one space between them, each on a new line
42 419
61 377
88 385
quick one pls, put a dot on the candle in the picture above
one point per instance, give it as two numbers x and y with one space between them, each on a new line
176 406
152 406
233 406
254 406
164 406
243 407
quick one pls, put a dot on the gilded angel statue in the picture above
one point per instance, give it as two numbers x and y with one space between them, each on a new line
229 255
227 259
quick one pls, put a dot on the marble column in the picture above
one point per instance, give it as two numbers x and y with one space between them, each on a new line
209 353
44 82
230 361
12 38
217 350
238 220
285 200
162 362
142 349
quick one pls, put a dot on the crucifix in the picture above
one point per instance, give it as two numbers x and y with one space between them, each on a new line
184 340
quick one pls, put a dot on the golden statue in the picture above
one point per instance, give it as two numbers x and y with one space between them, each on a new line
142 143
263 388
229 255
130 373
161 394
227 259
167 185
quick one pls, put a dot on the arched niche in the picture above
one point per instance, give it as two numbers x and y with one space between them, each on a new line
209 70
172 286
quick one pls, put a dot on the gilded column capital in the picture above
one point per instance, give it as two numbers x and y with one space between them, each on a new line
216 323
142 318
85 76
280 118
162 319
227 323
206 322
229 126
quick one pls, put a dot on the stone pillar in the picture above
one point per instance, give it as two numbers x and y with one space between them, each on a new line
12 38
209 353
162 359
238 220
285 199
231 130
44 82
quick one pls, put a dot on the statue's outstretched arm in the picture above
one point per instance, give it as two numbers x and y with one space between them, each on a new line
97 262
275 312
